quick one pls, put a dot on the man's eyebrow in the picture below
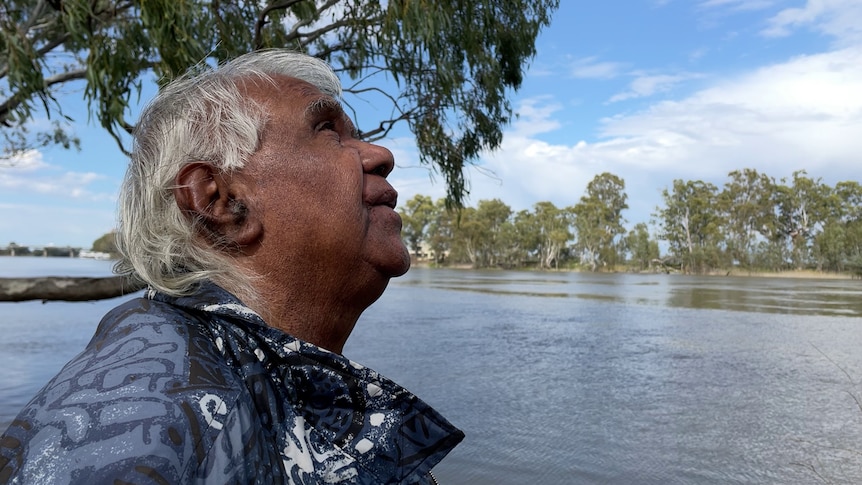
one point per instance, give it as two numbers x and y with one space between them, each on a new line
325 105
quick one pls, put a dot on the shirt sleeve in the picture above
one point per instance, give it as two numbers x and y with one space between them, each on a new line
143 403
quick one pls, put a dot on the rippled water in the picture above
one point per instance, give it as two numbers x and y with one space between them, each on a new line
580 378
629 379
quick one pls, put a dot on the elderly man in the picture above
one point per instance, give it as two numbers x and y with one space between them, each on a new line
264 228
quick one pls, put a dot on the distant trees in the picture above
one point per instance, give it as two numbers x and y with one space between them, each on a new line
106 244
492 235
758 223
752 223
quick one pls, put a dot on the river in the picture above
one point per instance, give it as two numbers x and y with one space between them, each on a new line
560 378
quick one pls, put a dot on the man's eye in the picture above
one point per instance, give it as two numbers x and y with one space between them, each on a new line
326 126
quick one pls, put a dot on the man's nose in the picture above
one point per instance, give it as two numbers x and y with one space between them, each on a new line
377 160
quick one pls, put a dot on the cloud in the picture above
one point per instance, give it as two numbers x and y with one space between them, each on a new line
802 112
30 174
534 117
28 161
805 113
840 19
592 68
648 85
738 5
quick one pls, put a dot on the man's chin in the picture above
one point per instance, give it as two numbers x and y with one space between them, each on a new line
401 267
388 256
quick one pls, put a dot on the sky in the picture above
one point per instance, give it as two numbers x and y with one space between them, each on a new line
648 90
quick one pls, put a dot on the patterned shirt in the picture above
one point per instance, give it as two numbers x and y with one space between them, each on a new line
199 389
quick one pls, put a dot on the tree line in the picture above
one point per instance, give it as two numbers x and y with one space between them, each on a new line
754 223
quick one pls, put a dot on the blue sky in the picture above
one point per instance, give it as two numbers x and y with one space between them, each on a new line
649 90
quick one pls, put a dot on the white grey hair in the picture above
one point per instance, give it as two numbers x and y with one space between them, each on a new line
201 116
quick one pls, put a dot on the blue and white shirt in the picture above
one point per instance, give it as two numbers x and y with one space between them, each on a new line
199 389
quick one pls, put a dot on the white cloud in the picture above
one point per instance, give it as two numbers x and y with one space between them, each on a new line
30 174
28 161
738 5
808 107
647 85
592 68
534 117
805 113
841 19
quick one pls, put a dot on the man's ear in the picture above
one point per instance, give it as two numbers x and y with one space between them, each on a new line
215 201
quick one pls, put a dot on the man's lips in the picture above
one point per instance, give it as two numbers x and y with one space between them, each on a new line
387 197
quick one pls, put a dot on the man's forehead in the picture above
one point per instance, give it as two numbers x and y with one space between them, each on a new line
310 98
287 88
300 98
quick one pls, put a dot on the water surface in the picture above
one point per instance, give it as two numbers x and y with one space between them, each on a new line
578 378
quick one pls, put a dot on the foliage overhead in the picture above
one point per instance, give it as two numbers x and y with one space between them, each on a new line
454 61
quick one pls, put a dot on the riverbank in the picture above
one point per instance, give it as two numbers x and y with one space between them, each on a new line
796 274
801 274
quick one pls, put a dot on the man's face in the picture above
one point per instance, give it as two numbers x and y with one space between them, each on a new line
327 209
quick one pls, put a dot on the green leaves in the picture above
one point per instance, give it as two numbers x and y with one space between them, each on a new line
454 62
599 221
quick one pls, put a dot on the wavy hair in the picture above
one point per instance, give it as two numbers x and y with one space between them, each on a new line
201 116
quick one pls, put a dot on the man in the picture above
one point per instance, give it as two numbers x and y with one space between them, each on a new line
264 228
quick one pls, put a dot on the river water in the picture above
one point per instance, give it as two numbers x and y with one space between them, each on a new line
560 378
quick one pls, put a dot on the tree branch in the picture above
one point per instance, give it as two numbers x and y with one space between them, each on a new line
66 289
384 128
13 101
262 19
309 37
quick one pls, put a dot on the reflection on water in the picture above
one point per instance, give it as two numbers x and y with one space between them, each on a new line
748 294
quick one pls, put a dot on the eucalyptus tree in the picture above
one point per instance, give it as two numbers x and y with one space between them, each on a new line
479 233
494 216
746 204
838 246
454 62
416 215
803 206
468 234
553 228
850 195
524 239
444 68
690 224
598 219
642 248
439 234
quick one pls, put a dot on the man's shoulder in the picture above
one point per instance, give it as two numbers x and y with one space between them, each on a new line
150 388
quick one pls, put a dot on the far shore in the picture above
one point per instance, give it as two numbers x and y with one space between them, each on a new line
798 274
